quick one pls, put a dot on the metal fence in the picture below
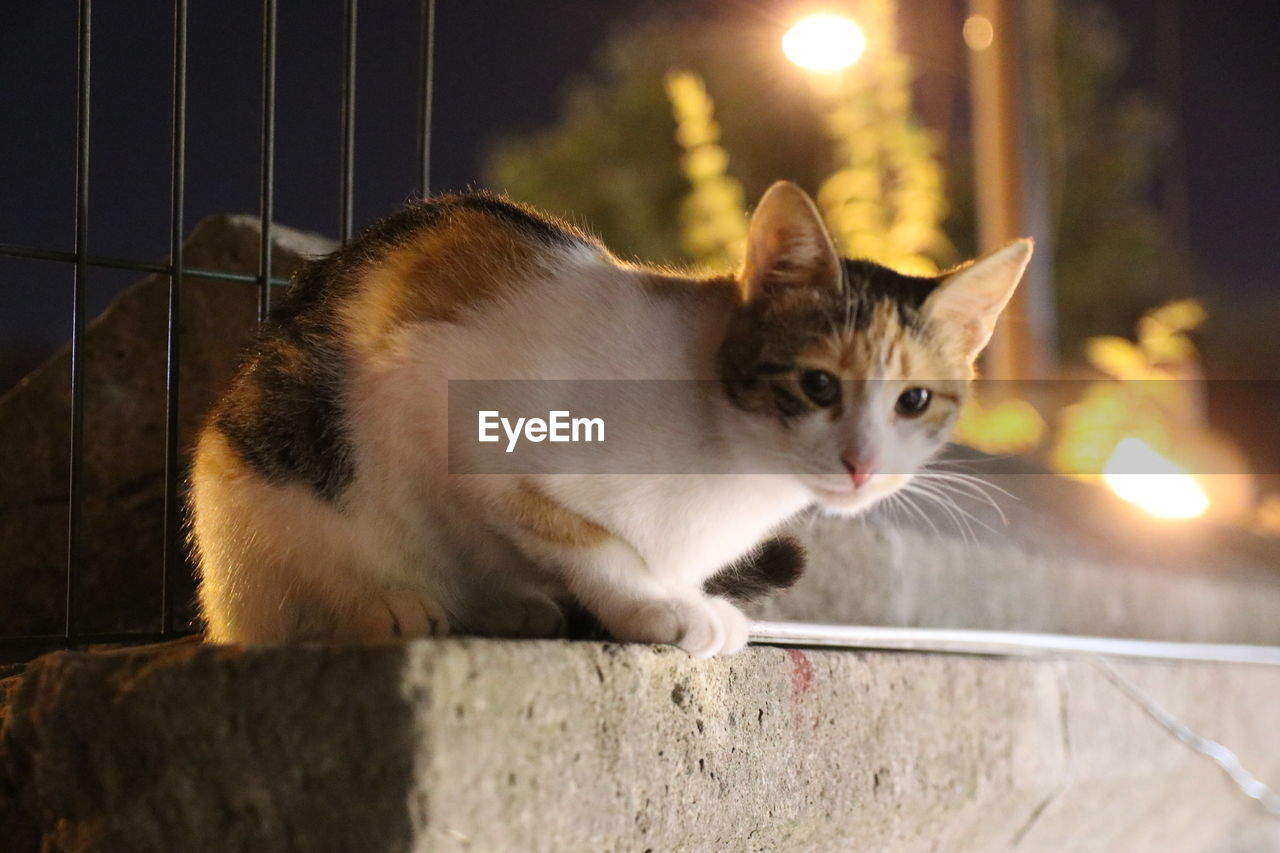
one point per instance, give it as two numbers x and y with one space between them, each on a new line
82 261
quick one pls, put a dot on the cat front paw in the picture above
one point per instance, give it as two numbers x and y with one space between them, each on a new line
703 627
736 625
399 615
525 616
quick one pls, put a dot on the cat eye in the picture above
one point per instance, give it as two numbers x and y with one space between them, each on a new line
912 402
820 387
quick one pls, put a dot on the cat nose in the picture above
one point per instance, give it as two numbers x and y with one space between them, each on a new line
860 470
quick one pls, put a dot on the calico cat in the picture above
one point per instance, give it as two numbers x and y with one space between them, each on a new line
322 501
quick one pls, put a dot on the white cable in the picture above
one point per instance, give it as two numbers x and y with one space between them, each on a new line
955 641
1251 785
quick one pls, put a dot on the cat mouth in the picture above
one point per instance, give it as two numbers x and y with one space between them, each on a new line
846 496
850 497
824 491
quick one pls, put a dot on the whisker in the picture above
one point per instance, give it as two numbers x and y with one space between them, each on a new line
985 459
970 478
921 514
948 501
948 505
971 488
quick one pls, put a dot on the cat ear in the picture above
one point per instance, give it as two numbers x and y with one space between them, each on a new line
787 244
969 300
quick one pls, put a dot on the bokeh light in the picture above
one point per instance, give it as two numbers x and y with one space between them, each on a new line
1162 488
978 32
824 42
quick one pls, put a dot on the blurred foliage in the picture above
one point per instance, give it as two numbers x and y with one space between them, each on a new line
886 198
1163 348
1003 426
1136 400
713 214
1153 393
1114 255
612 163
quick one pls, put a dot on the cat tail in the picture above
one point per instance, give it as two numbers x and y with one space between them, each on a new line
775 564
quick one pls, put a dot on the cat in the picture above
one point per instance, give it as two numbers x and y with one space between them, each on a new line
322 502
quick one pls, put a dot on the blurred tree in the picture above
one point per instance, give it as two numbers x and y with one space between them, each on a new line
1115 258
886 198
714 211
612 161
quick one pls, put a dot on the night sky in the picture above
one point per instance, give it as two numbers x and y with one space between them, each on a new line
501 65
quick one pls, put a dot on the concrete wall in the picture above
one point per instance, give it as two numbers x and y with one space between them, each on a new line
488 745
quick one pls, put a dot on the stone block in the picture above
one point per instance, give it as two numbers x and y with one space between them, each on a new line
555 746
124 428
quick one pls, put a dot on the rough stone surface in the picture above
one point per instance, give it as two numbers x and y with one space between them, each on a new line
204 748
123 433
488 745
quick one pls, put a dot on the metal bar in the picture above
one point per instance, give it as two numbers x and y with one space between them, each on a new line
35 253
1000 643
177 192
266 210
80 283
426 89
347 180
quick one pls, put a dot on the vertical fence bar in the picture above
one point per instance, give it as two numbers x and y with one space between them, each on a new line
268 154
426 88
177 194
75 476
347 182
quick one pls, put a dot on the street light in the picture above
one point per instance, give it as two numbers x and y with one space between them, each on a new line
824 42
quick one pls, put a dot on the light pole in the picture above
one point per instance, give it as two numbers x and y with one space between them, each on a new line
1007 40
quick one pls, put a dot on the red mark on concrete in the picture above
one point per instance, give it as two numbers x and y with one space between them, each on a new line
801 672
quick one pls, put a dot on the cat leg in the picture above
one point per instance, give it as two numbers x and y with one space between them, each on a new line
246 587
280 565
613 583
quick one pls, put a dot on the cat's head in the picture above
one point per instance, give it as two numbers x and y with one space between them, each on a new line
846 373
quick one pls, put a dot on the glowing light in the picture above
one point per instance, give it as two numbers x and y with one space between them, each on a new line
1162 488
978 32
824 42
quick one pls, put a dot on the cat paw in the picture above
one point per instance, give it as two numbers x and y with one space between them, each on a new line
401 614
528 616
703 627
736 625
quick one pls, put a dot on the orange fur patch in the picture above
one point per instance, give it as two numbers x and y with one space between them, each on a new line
539 515
442 271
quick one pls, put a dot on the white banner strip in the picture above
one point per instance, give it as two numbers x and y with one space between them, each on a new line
1005 643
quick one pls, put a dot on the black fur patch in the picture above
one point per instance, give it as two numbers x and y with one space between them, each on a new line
868 283
284 417
284 412
777 564
417 216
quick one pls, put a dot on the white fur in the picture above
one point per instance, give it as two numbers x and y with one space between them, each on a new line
279 562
